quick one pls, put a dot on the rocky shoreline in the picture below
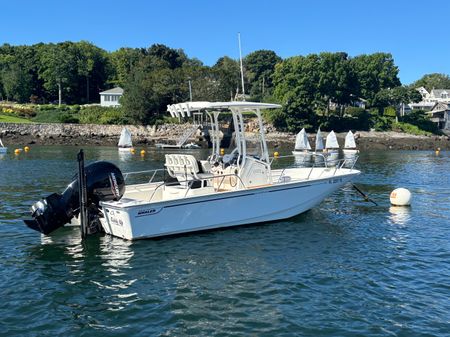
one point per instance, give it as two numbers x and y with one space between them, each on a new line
107 135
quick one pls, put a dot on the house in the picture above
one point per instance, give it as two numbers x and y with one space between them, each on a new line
429 100
440 95
436 95
440 114
111 97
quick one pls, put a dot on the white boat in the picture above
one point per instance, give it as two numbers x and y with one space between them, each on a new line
3 149
235 189
302 146
350 144
125 141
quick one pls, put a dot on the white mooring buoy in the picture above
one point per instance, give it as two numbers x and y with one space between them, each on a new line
401 197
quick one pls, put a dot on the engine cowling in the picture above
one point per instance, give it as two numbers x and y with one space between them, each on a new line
104 182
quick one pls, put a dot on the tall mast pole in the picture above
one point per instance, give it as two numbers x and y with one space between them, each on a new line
242 67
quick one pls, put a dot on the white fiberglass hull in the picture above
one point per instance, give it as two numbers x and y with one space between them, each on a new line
125 149
350 151
218 210
3 149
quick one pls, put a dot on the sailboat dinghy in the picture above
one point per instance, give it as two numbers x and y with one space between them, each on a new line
3 149
350 144
125 141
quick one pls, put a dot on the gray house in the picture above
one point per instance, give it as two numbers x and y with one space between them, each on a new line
440 114
111 97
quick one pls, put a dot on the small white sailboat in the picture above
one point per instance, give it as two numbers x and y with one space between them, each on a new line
319 142
3 149
302 149
350 145
125 142
331 148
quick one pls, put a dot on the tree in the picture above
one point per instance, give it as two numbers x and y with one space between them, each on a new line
373 73
260 66
227 73
57 66
123 61
337 82
16 83
296 87
173 58
395 97
433 81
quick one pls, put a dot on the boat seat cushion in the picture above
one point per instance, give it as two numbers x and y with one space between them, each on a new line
184 167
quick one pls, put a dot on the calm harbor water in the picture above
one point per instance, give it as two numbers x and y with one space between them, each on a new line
345 268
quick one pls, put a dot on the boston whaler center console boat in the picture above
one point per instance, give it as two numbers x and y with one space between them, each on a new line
222 191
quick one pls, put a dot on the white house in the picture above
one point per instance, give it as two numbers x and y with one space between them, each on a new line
436 95
111 97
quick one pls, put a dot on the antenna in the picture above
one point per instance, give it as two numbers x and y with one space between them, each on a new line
242 67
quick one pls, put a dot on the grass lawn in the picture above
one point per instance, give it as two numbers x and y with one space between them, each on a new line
13 119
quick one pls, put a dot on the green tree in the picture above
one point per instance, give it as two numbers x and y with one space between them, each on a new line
57 67
259 68
337 82
433 81
296 87
227 73
172 57
16 83
91 62
123 61
374 72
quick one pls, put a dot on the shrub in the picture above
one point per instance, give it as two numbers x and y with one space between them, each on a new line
381 123
421 120
68 118
390 112
102 115
409 128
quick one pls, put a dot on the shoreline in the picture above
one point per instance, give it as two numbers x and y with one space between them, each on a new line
108 135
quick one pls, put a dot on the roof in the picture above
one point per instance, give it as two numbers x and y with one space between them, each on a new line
182 109
439 107
116 90
438 92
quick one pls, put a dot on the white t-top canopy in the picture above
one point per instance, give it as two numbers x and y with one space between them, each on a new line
185 109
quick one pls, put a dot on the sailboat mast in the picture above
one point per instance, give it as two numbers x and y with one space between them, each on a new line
242 67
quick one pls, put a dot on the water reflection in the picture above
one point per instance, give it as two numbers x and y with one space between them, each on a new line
125 155
400 215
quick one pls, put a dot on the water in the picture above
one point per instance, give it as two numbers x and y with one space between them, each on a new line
346 268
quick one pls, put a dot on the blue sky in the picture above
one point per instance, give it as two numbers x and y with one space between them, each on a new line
415 32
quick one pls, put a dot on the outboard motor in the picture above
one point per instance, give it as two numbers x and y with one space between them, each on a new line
104 182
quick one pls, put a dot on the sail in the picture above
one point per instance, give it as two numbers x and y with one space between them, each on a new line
319 141
301 141
350 141
331 142
125 138
1 143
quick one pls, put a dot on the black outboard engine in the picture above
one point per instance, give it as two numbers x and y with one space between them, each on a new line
104 182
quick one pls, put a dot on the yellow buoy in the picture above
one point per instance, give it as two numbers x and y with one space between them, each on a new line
142 152
222 152
276 154
26 148
17 151
132 150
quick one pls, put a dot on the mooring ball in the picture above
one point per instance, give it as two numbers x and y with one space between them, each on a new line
401 197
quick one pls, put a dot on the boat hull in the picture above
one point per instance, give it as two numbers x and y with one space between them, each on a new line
219 210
